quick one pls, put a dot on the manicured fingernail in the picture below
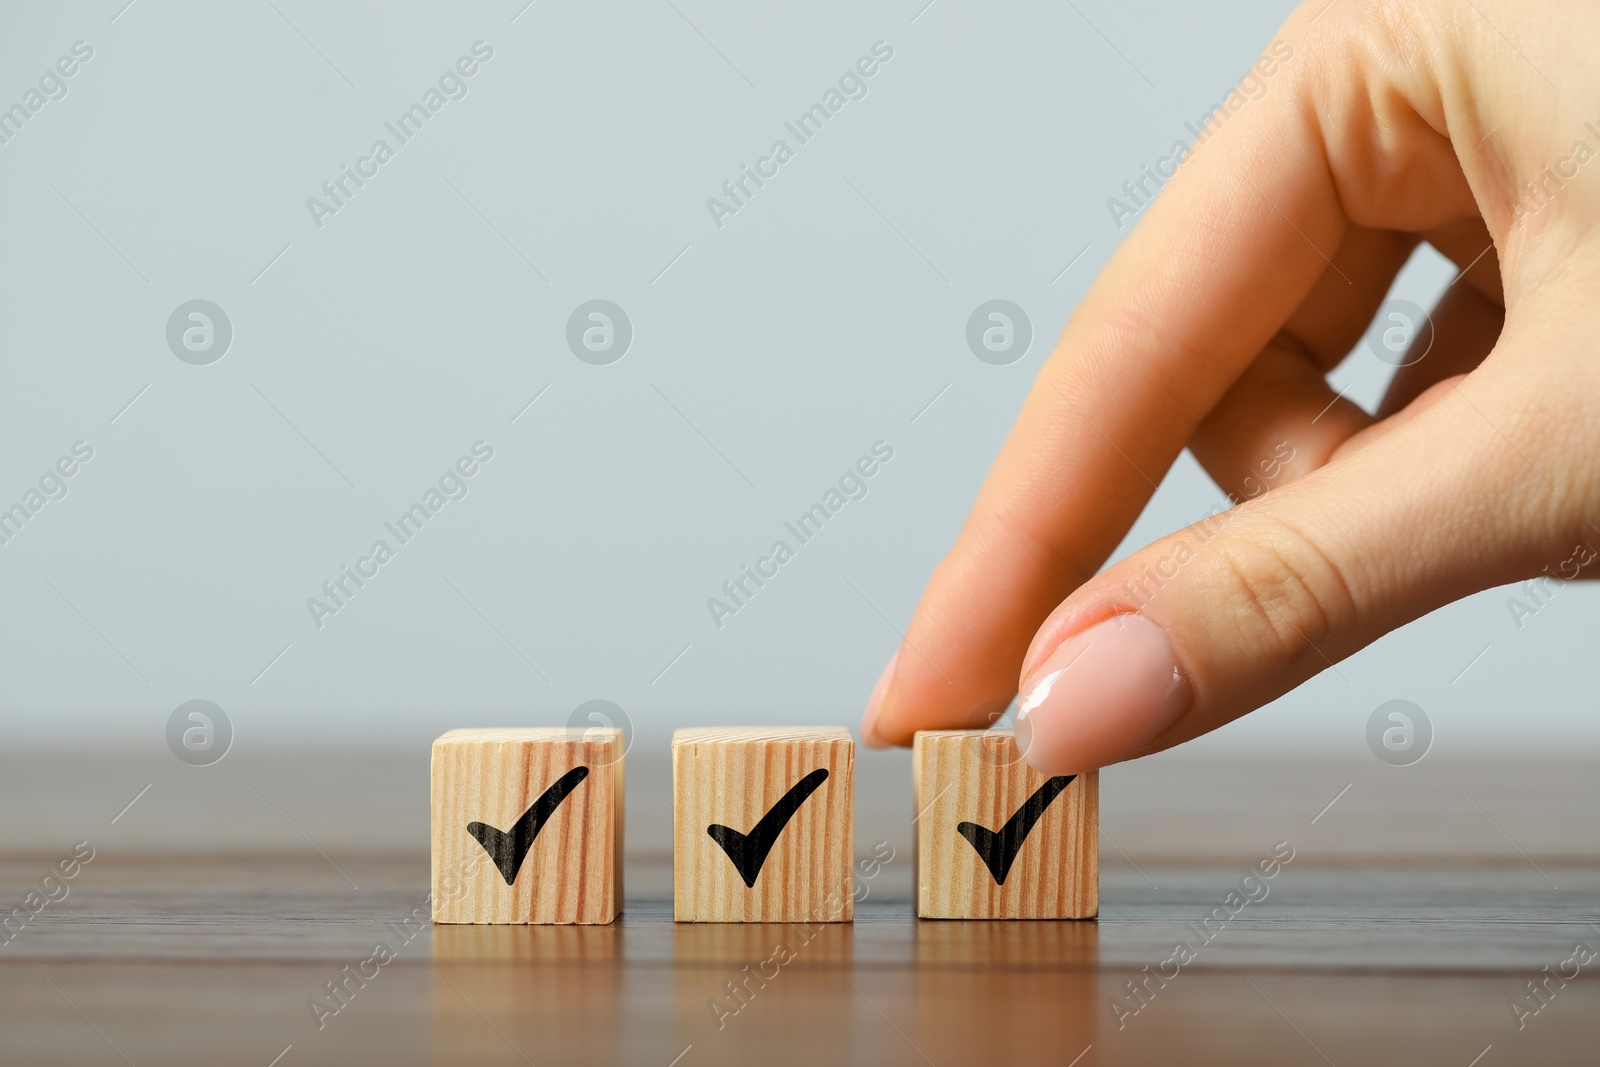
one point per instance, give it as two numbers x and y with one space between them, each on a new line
1100 695
869 718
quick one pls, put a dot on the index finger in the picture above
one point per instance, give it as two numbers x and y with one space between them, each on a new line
1234 243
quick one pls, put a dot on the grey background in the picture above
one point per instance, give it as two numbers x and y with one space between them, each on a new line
767 356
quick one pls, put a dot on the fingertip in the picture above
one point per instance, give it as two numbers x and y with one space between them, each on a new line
1022 737
1100 695
870 737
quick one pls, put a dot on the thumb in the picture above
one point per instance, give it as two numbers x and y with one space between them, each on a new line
1239 608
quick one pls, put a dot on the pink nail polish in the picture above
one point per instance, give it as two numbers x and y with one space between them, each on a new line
1100 695
869 718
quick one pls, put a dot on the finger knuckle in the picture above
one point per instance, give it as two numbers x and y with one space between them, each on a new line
1287 588
1367 36
1335 26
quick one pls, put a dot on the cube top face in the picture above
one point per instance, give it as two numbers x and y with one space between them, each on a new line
733 735
588 736
763 824
996 839
527 825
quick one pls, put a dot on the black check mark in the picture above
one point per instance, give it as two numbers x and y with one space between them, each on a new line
999 849
508 848
749 851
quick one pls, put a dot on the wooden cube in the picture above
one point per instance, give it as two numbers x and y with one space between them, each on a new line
763 822
527 826
995 838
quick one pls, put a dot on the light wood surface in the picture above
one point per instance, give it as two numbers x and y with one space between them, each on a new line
1419 902
972 784
730 778
566 786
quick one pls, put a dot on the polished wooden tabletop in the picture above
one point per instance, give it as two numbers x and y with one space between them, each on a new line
221 901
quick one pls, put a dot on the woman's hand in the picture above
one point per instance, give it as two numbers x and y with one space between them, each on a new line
1471 124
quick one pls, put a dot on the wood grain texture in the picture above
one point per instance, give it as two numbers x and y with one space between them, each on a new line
1397 935
572 872
976 776
733 777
